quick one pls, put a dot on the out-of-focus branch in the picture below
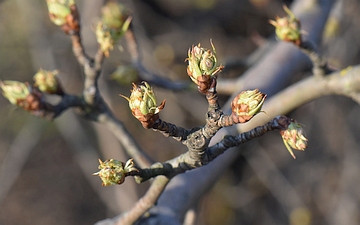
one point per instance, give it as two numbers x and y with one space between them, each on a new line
144 74
78 49
18 154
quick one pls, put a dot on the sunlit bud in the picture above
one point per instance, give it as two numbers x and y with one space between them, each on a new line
113 172
142 103
246 105
202 65
294 137
115 21
47 81
143 100
59 10
22 95
64 13
14 91
288 28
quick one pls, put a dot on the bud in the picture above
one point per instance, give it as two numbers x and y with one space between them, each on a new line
287 28
114 15
47 81
246 105
14 91
202 66
294 137
113 172
59 10
64 13
115 21
142 103
22 95
143 99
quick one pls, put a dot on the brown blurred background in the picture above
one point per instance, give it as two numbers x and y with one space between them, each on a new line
45 167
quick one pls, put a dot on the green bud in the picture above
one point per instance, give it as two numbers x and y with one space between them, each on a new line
59 10
113 172
287 28
143 100
47 81
247 104
14 91
294 137
202 62
22 95
115 21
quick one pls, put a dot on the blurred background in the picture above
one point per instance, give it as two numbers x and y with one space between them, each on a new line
46 166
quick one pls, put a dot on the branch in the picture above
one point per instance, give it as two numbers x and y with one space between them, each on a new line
278 65
144 74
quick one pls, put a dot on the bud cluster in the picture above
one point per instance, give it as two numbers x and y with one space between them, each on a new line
246 105
48 82
22 95
28 97
203 66
64 13
288 28
113 172
294 137
142 103
115 21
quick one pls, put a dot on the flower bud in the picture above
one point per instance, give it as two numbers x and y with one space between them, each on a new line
246 105
22 95
47 81
288 28
143 99
114 23
294 137
142 103
64 13
202 65
113 172
14 91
